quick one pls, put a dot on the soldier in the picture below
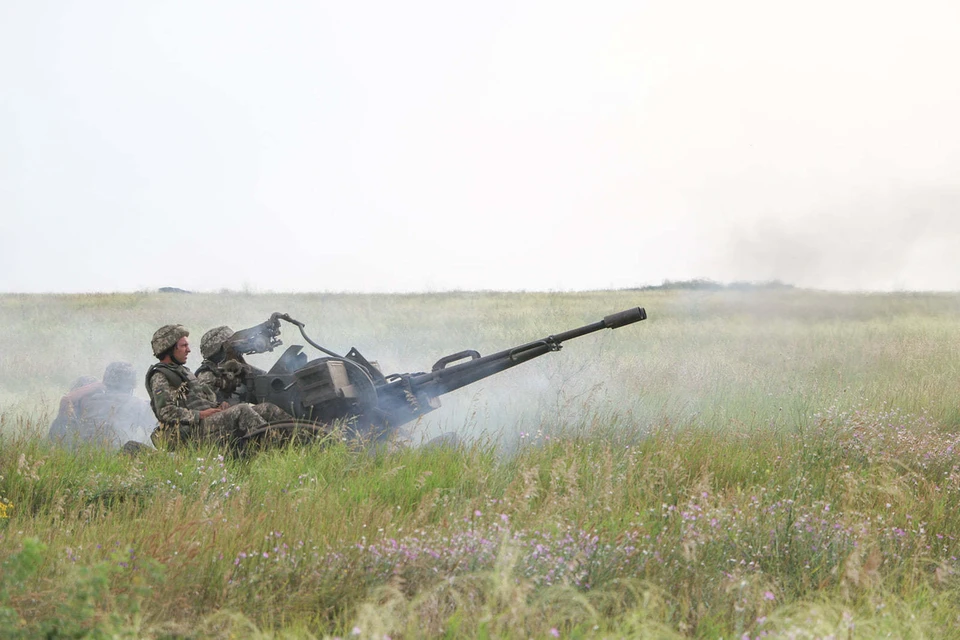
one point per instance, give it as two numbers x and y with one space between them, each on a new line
187 409
65 424
222 369
103 413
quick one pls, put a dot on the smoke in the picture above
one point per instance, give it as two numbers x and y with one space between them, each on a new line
904 242
556 390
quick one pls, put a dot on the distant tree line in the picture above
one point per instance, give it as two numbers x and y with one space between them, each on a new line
704 284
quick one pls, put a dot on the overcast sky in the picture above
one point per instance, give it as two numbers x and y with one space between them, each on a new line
516 144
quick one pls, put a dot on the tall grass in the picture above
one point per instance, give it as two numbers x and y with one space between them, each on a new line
592 531
769 465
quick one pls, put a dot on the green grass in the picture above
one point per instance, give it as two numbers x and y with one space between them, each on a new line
771 463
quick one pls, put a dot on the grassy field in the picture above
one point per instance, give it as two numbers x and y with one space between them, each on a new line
763 464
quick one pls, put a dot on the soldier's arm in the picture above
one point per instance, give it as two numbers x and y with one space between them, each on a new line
165 406
208 378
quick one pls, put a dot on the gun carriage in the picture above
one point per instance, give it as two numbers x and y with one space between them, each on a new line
352 390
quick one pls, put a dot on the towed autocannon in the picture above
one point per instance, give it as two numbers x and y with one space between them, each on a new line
353 390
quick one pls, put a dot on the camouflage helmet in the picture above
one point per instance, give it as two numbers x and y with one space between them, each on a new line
120 376
213 340
166 337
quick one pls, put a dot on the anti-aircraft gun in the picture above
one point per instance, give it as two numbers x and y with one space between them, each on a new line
352 389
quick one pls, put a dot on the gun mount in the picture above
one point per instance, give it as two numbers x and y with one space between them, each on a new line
352 389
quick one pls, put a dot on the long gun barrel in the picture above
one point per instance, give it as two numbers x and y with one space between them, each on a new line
445 378
404 397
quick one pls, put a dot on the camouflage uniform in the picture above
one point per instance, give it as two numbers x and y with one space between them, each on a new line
104 414
208 374
178 410
66 427
226 378
223 372
177 398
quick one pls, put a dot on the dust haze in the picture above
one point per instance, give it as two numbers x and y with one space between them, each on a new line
48 341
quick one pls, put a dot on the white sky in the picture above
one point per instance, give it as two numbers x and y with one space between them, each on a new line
504 144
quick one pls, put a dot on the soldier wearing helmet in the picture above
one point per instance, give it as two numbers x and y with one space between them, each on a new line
120 377
222 368
103 413
189 410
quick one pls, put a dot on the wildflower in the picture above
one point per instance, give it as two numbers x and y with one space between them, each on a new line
554 632
356 631
768 595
